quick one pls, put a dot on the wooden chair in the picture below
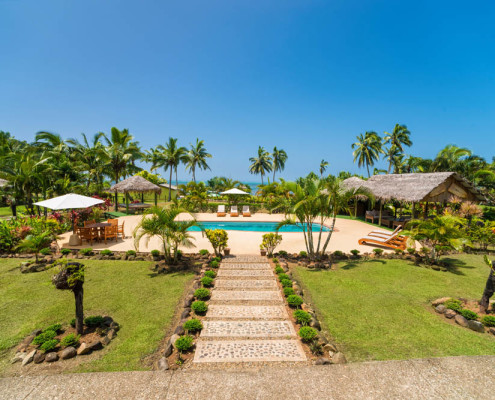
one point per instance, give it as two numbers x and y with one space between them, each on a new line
88 234
114 221
120 230
90 222
110 233
393 242
371 215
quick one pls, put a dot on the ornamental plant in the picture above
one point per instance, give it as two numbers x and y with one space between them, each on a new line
130 253
49 345
468 314
218 239
286 283
193 325
202 293
288 291
94 321
302 317
283 276
65 252
307 333
210 274
155 253
488 320
207 281
70 340
106 252
204 252
199 307
55 328
86 252
44 337
453 304
294 300
270 242
184 343
279 270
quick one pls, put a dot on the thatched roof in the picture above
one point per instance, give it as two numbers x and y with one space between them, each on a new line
135 184
434 187
165 185
3 182
354 182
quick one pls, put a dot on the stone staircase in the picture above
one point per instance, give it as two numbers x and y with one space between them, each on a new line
246 319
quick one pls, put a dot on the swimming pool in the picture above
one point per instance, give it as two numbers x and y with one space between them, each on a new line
254 226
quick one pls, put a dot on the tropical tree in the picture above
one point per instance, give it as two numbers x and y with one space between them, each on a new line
367 149
323 167
196 157
397 139
261 164
34 243
279 159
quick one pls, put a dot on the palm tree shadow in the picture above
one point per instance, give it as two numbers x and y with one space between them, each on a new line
171 273
356 263
453 265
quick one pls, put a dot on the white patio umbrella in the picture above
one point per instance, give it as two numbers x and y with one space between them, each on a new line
234 191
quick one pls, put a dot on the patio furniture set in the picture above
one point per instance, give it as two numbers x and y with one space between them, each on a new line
98 231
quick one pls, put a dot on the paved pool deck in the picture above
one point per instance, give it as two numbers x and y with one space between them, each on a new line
438 378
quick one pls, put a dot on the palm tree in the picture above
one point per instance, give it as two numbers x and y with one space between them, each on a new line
261 164
279 159
397 140
323 167
35 243
197 156
367 149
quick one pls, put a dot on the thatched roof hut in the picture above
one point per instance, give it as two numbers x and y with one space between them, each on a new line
135 184
354 182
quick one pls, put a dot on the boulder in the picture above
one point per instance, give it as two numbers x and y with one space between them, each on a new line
111 334
68 352
25 343
105 341
188 301
19 356
476 326
315 324
83 349
330 347
179 330
107 320
185 313
450 313
39 357
440 309
162 364
139 259
34 333
339 358
29 358
492 331
51 357
168 350
461 320
115 326
96 345
322 361
173 338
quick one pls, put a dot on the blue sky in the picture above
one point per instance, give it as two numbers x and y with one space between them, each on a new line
306 76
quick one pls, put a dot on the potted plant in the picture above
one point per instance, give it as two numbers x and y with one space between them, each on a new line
226 251
262 250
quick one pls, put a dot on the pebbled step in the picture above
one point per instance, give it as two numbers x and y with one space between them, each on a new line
246 295
248 329
245 273
246 284
246 312
246 266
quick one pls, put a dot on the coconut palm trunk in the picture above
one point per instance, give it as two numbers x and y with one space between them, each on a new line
488 292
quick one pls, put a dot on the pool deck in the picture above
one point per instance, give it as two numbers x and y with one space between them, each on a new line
345 237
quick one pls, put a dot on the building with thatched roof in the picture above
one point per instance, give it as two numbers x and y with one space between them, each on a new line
135 184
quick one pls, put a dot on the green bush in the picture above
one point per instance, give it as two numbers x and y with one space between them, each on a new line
106 252
65 252
302 317
468 314
453 304
204 252
378 252
282 253
210 274
86 252
338 253
303 253
155 253
202 293
44 337
207 281
288 291
54 328
217 259
399 251
193 325
275 260
279 270
45 251
70 340
199 307
49 345
130 253
94 321
355 252
73 322
184 343
283 276
214 264
294 300
286 283
411 250
307 333
488 320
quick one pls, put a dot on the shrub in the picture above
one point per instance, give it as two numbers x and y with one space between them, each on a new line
283 276
217 259
411 250
207 281
453 304
49 345
202 293
378 252
307 333
214 264
468 314
199 307
130 253
155 253
279 270
45 251
210 274
44 337
184 343
303 253
193 325
65 252
282 253
94 321
294 300
288 291
338 253
302 317
86 252
54 328
270 242
488 320
315 347
106 252
286 283
70 340
275 260
355 252
399 251
218 239
204 252
73 322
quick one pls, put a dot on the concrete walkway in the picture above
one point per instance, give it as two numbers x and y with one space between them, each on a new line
441 378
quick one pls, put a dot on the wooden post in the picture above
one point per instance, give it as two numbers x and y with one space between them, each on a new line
156 201
127 203
413 206
425 214
355 208
380 216
142 197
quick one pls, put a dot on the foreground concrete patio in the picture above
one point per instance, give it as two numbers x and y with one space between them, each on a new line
438 378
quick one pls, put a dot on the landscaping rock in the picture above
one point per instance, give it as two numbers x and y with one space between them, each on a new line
322 361
315 324
51 357
491 330
139 259
461 320
179 330
19 356
162 364
105 341
68 352
330 347
440 309
339 358
450 313
29 358
39 357
185 313
34 333
107 320
173 338
111 334
196 285
168 350
188 301
476 326
115 326
25 343
83 349
96 345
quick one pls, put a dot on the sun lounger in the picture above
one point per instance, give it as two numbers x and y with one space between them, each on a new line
234 212
386 234
392 242
245 211
221 211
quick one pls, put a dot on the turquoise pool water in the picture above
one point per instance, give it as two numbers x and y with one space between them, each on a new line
254 226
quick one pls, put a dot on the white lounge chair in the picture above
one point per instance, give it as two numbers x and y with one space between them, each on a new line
385 234
234 212
245 211
221 211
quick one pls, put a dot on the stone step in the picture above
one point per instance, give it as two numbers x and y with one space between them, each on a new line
246 295
248 329
246 266
222 311
215 351
246 284
245 258
245 273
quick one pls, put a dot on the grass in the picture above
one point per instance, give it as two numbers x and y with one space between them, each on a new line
142 302
7 211
380 310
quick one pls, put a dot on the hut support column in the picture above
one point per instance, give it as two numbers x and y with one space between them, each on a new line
413 207
380 216
156 203
142 197
127 203
425 214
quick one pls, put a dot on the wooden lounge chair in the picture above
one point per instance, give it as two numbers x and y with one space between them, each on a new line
245 211
385 234
110 233
234 212
393 242
88 234
221 211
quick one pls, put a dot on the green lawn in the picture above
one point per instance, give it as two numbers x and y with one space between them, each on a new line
142 302
380 310
7 211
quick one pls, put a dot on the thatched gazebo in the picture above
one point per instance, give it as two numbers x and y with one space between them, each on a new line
137 184
355 183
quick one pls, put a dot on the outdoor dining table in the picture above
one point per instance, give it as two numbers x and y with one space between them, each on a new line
100 226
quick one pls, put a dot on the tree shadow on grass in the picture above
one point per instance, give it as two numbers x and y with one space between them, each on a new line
356 263
171 273
453 265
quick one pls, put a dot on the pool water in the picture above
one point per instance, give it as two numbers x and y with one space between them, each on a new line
254 226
